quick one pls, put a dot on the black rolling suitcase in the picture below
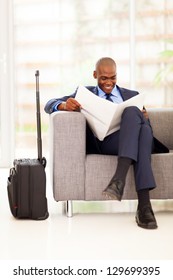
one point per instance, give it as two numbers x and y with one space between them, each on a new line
26 184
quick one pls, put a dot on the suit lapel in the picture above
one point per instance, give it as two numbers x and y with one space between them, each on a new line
124 93
95 90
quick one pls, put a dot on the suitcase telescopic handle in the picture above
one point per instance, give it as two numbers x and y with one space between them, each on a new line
38 116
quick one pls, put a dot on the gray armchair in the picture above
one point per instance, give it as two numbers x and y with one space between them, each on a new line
77 176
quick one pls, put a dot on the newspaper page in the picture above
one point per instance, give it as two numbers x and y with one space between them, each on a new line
103 116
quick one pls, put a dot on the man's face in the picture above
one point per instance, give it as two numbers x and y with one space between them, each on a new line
106 77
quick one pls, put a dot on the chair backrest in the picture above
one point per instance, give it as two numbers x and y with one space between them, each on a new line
161 120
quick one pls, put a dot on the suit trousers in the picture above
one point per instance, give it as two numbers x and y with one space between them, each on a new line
133 140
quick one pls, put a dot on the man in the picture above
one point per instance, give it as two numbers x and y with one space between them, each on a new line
133 143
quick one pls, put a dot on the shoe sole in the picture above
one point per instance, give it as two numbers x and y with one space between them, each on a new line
149 226
109 195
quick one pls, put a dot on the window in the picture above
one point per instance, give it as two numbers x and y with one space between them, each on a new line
64 38
154 32
6 84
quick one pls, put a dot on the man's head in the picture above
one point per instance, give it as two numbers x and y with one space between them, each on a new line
105 73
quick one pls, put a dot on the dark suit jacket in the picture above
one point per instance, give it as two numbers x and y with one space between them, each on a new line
158 147
49 107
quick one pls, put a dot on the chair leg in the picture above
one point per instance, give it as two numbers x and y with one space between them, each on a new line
69 209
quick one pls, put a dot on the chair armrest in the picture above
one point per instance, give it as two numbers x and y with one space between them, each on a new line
68 152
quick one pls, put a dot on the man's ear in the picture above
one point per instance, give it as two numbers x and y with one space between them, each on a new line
95 75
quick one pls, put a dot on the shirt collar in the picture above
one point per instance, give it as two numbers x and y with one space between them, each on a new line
114 92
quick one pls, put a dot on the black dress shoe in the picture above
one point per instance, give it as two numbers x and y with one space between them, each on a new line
145 218
114 190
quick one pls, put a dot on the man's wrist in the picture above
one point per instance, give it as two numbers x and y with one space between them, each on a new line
64 106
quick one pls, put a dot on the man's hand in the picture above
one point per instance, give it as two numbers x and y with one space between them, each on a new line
70 105
145 113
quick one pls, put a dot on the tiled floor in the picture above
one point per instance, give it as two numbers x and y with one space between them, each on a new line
97 236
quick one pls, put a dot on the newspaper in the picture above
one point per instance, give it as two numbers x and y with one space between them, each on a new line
103 116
